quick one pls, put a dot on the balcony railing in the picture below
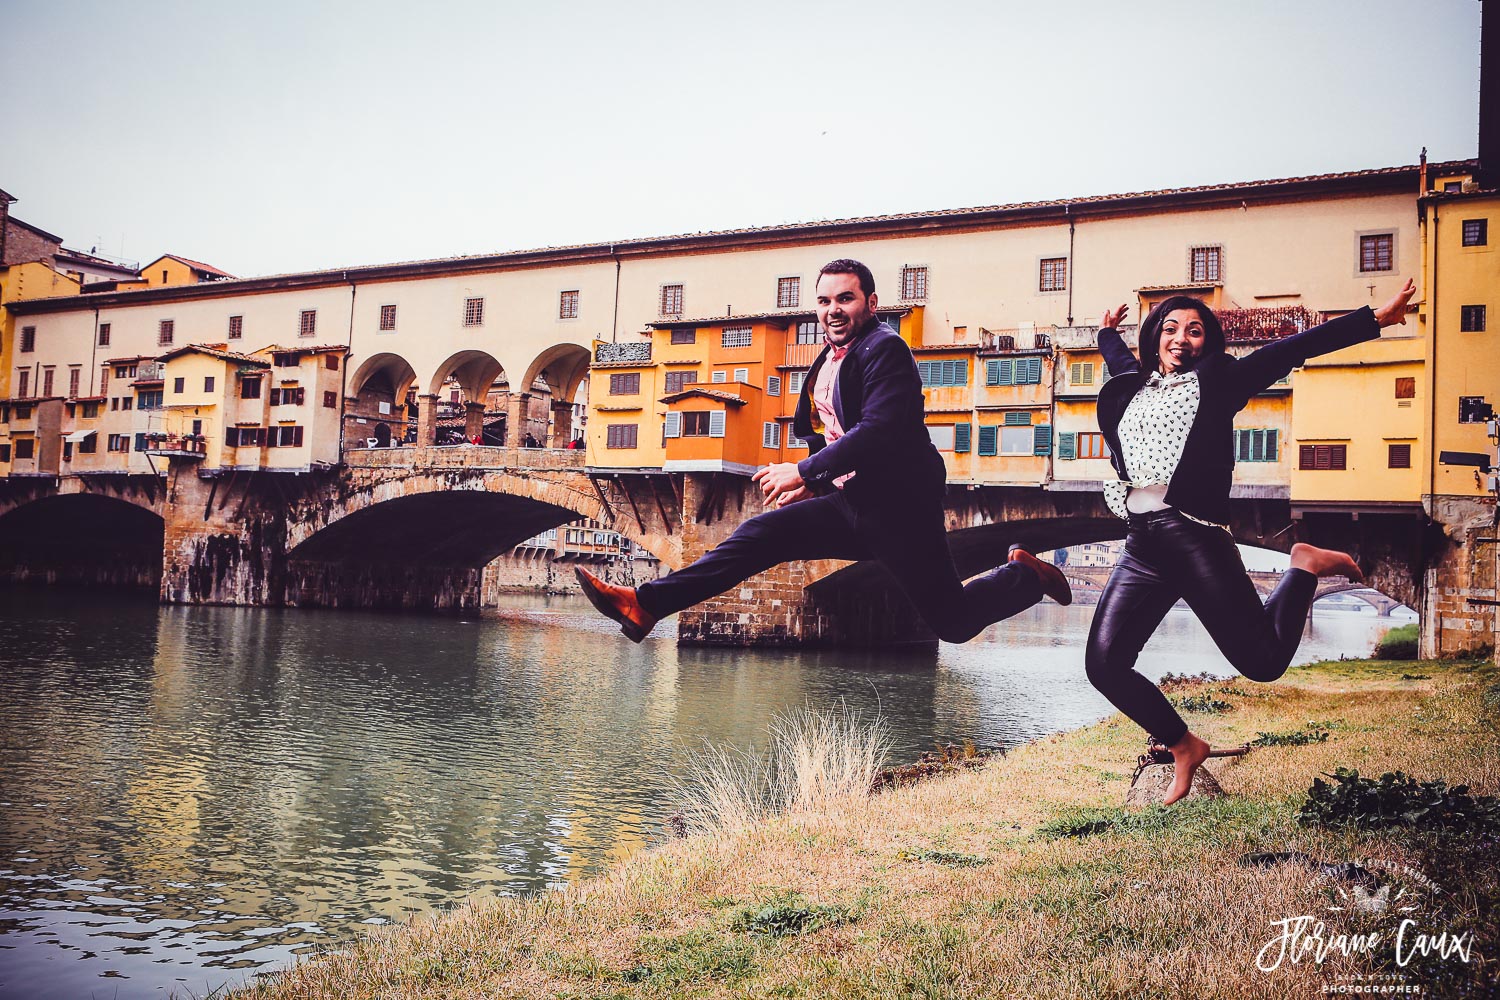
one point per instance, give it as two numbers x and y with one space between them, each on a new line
1265 322
1028 338
176 445
638 352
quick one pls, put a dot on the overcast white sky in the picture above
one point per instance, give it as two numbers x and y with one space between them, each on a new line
277 136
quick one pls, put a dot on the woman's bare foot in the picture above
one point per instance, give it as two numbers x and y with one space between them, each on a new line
1325 562
1188 754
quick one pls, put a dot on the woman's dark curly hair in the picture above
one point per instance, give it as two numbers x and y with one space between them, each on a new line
1150 339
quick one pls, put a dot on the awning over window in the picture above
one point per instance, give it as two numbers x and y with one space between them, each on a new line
77 436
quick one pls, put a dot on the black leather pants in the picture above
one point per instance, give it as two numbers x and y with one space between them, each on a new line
1167 556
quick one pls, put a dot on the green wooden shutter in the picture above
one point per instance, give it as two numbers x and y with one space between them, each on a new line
989 440
1018 418
1042 439
924 369
1271 453
1067 446
961 434
1029 371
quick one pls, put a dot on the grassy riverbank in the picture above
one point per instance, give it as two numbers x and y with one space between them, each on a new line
1024 878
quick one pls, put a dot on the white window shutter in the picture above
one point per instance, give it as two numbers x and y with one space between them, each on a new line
721 377
795 381
716 423
773 385
742 375
674 424
770 435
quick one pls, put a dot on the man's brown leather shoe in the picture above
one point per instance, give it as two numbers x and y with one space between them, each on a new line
1054 584
618 603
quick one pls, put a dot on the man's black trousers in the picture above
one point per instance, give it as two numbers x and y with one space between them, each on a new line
906 534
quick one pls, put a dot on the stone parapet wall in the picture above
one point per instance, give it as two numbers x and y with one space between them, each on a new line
1462 570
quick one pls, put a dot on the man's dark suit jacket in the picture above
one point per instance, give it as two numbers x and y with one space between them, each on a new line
878 399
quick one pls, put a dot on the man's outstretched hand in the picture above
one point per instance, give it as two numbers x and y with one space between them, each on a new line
780 484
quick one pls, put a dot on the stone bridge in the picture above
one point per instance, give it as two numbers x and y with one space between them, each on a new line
414 528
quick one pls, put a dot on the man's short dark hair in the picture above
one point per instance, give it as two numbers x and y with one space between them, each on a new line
846 266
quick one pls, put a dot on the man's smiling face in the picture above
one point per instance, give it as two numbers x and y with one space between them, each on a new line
843 307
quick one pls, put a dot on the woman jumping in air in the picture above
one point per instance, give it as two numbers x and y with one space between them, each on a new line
1169 422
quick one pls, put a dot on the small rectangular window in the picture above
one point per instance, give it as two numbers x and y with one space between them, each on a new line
942 436
474 311
1323 456
104 329
677 381
1406 388
75 375
1081 373
47 381
126 402
671 300
250 388
695 423
937 374
28 339
620 436
1476 232
1471 319
236 327
1398 456
308 324
331 362
795 381
738 336
1377 252
788 293
1091 445
178 386
387 317
567 305
1205 263
331 400
770 434
1473 410
25 447
913 283
685 336
1054 276
742 375
719 377
208 383
773 385
165 332
628 384
23 383
809 332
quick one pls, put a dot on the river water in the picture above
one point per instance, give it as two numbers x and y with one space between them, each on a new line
192 796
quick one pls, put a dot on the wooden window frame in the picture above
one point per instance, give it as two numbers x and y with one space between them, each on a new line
1471 319
1052 274
307 323
915 283
670 299
685 335
1406 387
621 436
1476 232
675 381
788 292
625 384
1371 250
1322 457
1097 447
567 304
387 320
236 327
166 332
1398 455
104 331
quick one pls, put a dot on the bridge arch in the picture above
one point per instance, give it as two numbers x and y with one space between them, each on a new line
474 370
83 535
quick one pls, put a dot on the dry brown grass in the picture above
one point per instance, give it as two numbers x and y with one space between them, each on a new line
1159 911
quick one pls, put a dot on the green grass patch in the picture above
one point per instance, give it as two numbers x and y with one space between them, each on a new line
1201 820
951 859
1292 737
691 957
1400 643
789 915
1202 703
1398 800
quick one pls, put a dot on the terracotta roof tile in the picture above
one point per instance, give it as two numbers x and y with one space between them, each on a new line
723 397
